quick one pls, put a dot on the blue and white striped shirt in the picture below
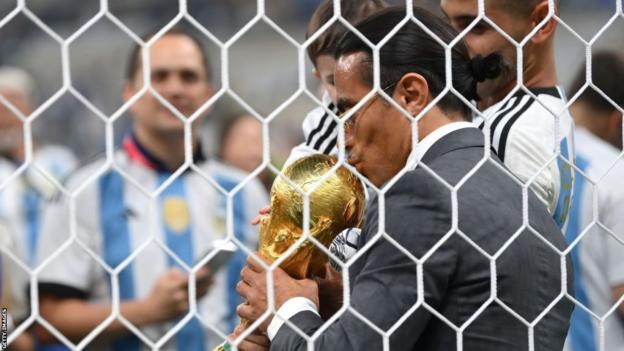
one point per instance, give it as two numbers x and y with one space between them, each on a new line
115 218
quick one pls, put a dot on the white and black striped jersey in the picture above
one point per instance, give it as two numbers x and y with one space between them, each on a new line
527 136
320 131
345 246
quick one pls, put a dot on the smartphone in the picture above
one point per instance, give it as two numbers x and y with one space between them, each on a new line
225 251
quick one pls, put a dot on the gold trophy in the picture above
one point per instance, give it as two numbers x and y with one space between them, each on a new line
337 203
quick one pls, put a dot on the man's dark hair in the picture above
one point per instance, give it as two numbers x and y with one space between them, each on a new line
351 10
521 8
412 50
135 60
607 75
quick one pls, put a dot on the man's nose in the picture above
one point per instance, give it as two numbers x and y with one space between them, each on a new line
172 87
473 50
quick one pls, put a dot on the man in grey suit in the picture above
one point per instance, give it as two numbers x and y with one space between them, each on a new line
445 268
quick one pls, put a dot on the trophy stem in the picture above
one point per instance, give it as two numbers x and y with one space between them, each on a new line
226 346
223 347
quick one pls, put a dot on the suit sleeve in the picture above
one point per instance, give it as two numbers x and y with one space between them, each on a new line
386 287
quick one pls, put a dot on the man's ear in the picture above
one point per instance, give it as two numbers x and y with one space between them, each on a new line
546 30
316 74
128 91
412 92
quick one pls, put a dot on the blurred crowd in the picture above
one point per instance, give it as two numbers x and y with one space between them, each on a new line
227 144
97 58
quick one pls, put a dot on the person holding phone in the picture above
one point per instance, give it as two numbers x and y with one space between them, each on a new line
114 219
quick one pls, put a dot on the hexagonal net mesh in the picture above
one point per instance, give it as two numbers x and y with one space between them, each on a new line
491 238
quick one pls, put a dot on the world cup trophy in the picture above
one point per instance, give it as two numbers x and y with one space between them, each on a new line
336 203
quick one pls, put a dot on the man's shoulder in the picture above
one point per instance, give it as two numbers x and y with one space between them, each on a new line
420 184
87 173
316 115
56 158
541 114
98 170
596 155
601 164
536 116
220 170
7 169
451 160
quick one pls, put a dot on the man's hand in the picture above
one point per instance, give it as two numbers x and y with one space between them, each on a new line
617 292
24 342
256 341
330 292
169 297
252 288
203 282
263 212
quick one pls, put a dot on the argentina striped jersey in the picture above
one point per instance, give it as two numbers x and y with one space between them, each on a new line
526 136
115 218
21 203
599 255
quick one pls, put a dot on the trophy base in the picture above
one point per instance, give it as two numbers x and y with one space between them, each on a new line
224 347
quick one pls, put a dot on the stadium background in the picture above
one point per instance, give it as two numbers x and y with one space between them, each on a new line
263 65
260 59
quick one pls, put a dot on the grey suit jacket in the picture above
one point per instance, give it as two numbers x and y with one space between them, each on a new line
459 284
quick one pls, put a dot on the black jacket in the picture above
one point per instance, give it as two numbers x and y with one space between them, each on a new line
468 298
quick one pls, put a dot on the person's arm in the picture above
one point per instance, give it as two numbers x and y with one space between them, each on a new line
618 292
24 342
68 277
75 317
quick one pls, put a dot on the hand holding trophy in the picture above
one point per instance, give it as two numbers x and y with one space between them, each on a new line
336 203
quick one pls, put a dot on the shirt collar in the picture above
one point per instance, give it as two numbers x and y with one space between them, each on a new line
427 142
138 153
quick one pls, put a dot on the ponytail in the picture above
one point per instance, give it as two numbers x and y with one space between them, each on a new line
483 69
412 49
